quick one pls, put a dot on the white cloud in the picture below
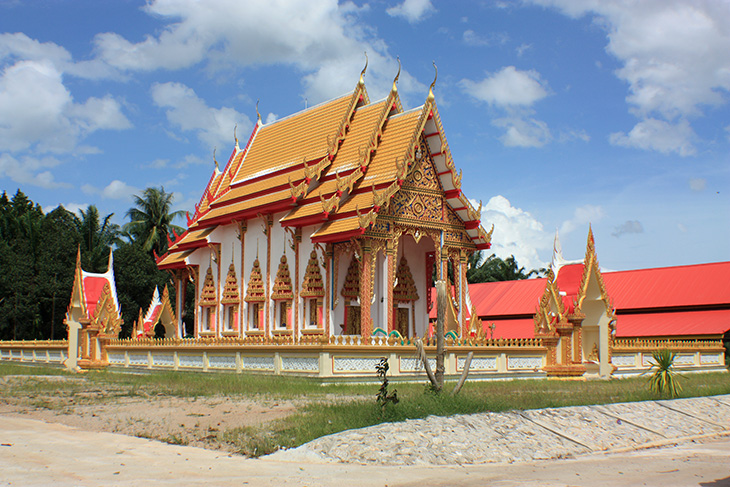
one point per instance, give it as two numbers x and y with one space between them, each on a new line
658 135
697 184
214 126
116 190
523 131
28 170
471 38
629 226
582 216
37 110
261 32
412 10
508 87
516 232
674 59
513 92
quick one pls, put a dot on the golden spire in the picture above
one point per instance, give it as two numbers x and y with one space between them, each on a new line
361 82
430 88
258 115
395 80
234 135
214 160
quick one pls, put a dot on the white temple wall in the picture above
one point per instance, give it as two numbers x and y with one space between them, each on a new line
230 250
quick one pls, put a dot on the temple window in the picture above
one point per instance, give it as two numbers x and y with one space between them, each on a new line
313 294
254 318
283 295
314 313
208 303
230 300
255 298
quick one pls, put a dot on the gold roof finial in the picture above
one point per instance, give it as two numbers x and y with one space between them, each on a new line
430 88
258 115
214 160
234 135
361 82
395 80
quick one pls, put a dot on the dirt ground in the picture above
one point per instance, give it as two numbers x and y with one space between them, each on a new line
194 421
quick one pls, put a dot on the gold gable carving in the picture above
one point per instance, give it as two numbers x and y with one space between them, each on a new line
351 286
405 290
312 286
208 296
255 290
282 284
230 291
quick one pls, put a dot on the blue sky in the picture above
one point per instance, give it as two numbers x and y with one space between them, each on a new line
560 113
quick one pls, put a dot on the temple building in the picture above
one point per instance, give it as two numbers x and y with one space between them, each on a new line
329 222
159 321
93 316
579 312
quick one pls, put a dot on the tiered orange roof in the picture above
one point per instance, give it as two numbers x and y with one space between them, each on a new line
336 166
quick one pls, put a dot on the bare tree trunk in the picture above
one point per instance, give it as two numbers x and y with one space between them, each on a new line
424 359
440 319
464 374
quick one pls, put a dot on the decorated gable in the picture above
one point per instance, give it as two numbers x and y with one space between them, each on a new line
255 290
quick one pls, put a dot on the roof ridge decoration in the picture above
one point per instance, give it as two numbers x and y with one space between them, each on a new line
360 95
545 318
312 287
283 288
208 296
392 102
230 291
255 290
405 289
351 286
591 266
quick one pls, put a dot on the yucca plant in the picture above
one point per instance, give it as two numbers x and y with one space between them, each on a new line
664 380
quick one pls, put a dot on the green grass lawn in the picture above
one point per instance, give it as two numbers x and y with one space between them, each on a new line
331 408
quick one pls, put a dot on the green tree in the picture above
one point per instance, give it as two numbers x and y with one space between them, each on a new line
151 219
136 277
95 236
494 269
664 380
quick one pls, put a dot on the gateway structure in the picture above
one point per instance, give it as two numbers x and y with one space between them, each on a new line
329 222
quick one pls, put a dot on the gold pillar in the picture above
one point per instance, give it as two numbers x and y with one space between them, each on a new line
366 289
297 243
463 326
390 254
242 324
328 291
267 287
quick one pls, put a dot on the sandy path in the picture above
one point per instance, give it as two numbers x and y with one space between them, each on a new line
34 453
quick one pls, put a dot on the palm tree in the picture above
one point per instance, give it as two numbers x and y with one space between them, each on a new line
151 220
496 269
95 237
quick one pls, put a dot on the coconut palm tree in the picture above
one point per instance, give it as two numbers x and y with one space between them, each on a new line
95 236
151 219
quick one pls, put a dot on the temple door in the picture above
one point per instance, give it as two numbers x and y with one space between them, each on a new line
352 320
401 322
